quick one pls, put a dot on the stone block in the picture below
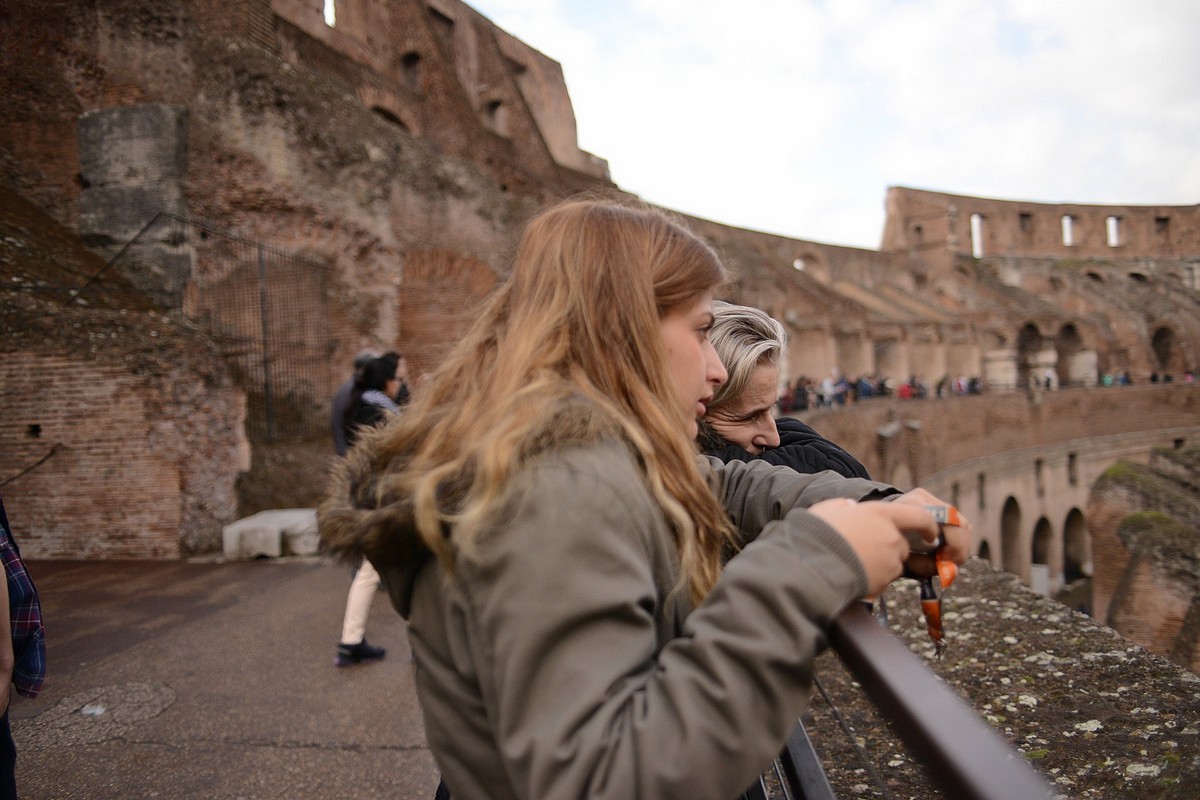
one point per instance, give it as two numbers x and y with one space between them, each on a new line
289 531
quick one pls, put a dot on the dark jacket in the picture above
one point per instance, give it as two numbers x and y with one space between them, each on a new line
800 447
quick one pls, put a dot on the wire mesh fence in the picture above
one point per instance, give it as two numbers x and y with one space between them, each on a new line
266 309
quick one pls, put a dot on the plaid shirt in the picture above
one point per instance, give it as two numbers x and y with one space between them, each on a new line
25 613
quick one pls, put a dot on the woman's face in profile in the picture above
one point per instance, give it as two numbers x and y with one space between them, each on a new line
692 363
748 420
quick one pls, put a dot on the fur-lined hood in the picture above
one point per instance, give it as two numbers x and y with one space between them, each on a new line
358 520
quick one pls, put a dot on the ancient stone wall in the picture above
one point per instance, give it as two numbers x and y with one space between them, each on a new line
939 227
116 454
1143 520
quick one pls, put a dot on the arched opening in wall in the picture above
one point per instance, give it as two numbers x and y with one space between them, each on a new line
1163 344
977 235
1069 344
440 294
1029 344
389 117
1039 570
1139 277
1011 555
1076 560
1095 277
410 70
330 11
985 552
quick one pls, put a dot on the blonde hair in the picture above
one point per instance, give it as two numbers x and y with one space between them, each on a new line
578 320
744 338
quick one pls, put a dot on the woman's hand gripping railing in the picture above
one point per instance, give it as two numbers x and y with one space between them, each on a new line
964 755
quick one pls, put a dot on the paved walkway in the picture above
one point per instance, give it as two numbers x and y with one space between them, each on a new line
181 680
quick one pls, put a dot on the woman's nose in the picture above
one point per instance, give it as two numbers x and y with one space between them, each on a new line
717 373
768 434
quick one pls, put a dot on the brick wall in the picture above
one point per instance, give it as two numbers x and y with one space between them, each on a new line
142 466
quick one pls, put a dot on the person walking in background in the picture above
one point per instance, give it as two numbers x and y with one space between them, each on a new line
341 401
370 403
22 651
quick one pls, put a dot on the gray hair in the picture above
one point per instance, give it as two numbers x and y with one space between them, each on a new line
744 337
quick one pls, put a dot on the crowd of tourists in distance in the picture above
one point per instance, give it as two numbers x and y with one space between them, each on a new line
837 390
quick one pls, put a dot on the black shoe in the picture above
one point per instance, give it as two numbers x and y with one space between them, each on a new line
348 654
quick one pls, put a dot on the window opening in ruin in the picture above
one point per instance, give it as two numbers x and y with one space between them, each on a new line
1162 226
918 235
34 431
496 116
1177 444
410 70
1025 220
331 13
1068 230
980 482
1138 277
1112 227
1096 276
1039 476
977 235
1073 469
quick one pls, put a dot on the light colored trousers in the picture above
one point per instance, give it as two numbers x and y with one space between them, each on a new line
358 603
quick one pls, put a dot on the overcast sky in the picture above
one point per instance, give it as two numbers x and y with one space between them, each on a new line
794 116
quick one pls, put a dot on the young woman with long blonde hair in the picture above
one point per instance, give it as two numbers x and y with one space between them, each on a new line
594 609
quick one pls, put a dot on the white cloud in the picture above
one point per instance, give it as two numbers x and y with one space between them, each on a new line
794 117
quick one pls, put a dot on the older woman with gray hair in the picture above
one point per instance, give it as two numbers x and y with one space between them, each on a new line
740 424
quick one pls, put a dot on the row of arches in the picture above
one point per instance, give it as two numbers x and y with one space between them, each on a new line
1044 557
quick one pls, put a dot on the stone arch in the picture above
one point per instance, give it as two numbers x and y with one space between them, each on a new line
496 117
1164 345
1069 344
1011 556
388 106
1039 552
440 293
1076 558
985 552
1029 344
390 117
